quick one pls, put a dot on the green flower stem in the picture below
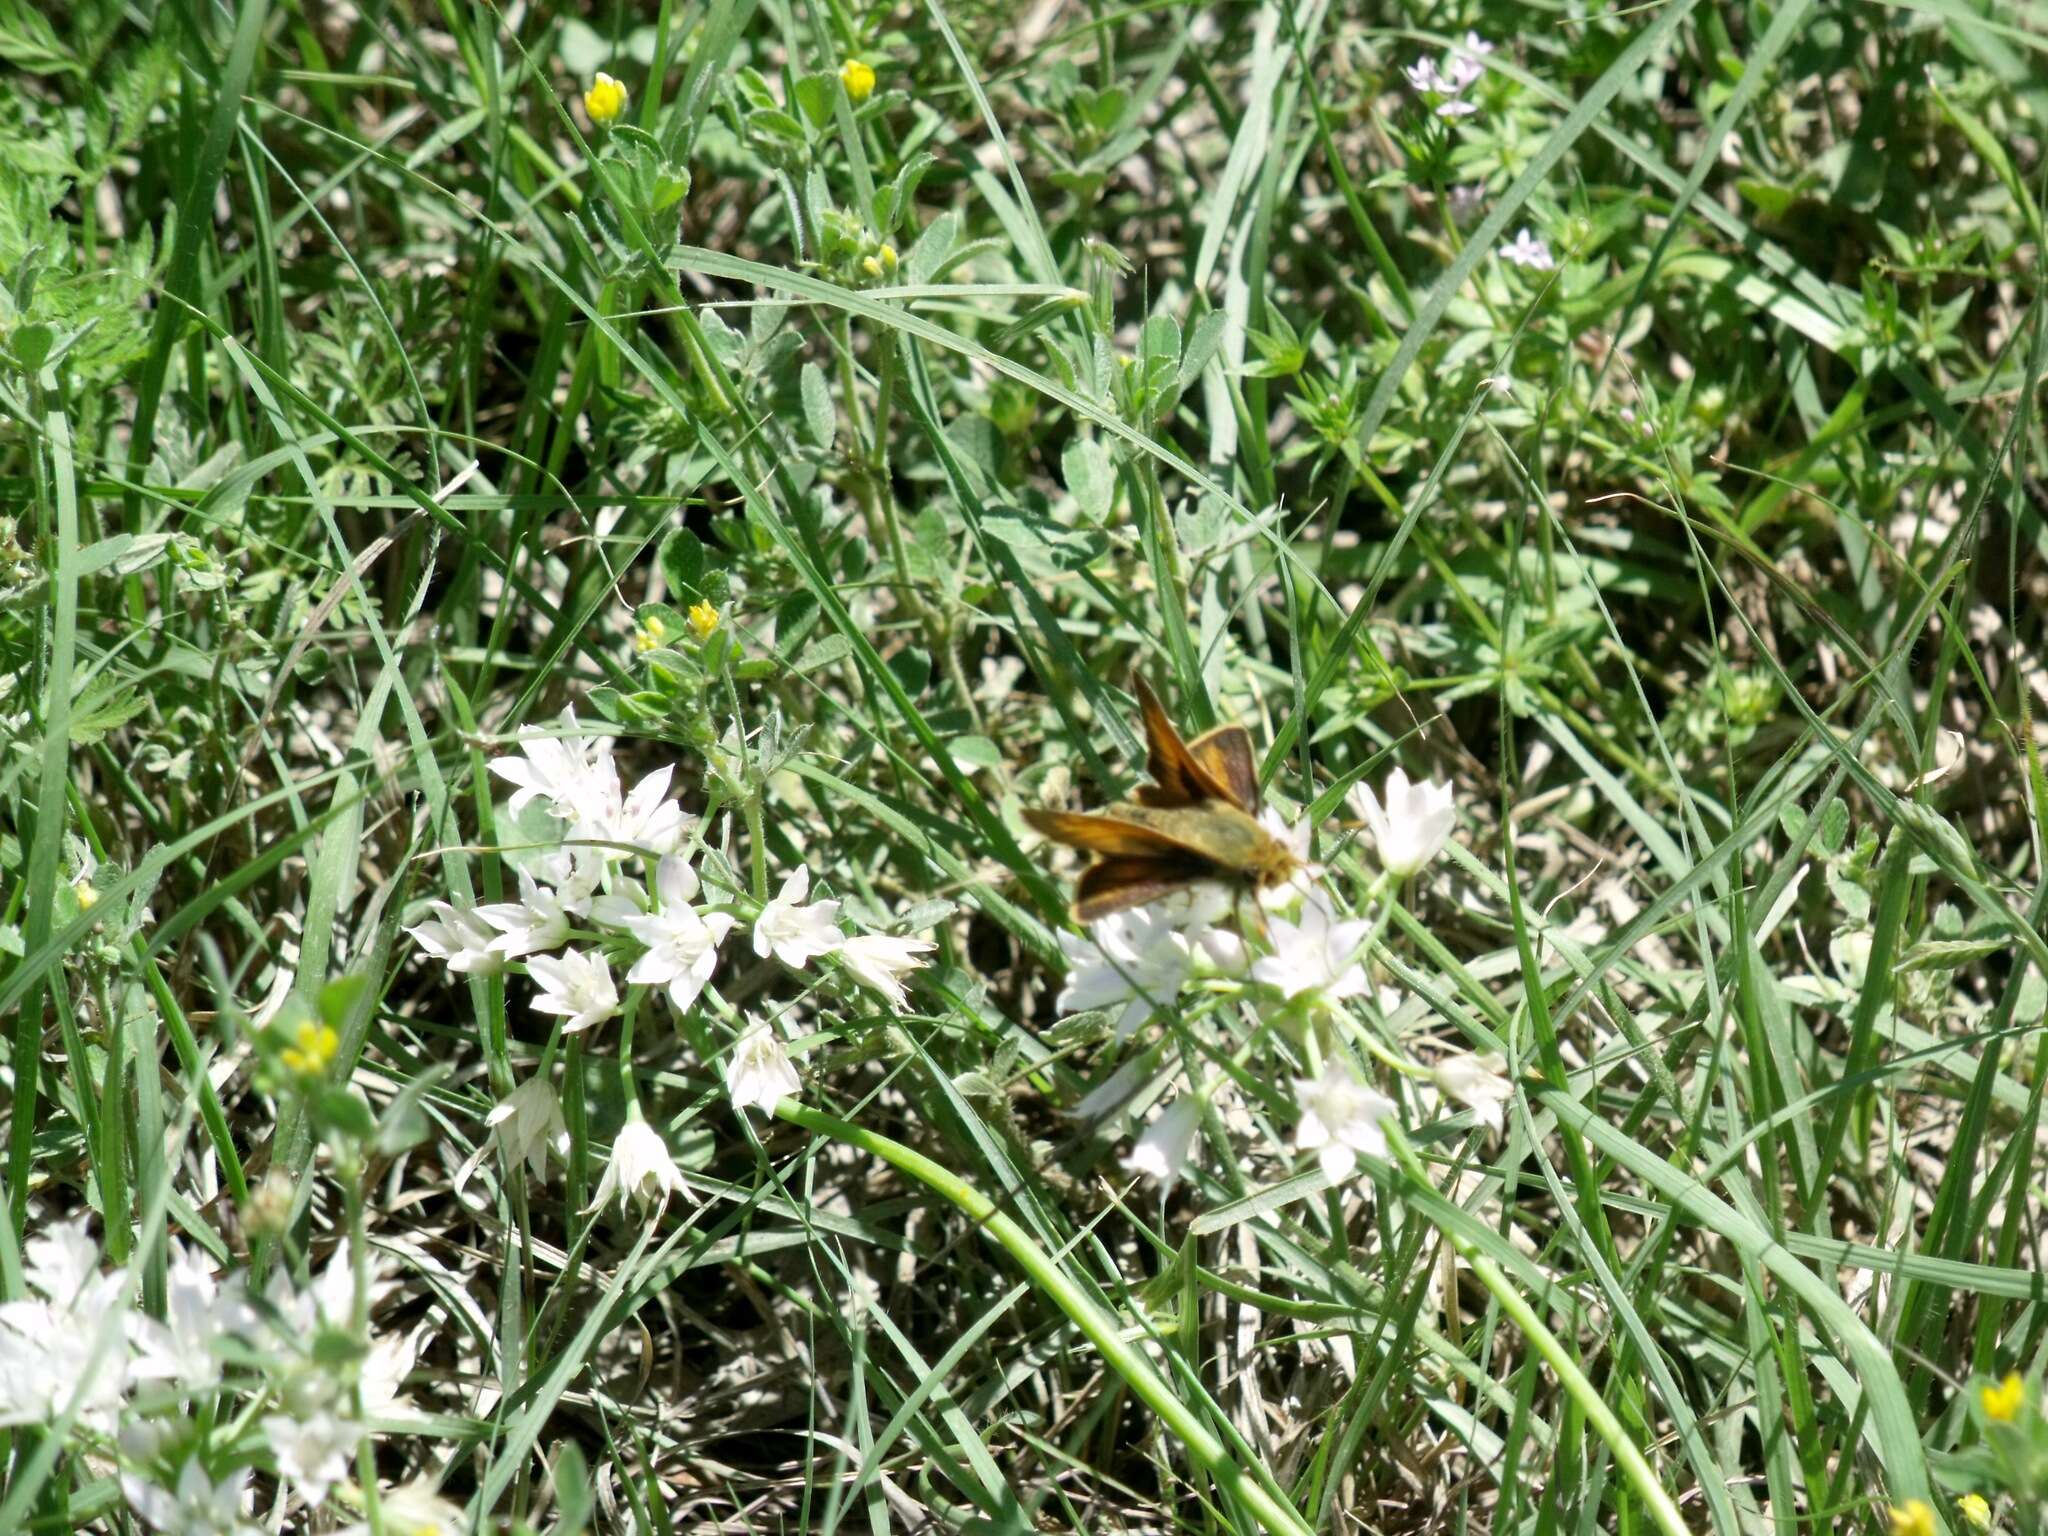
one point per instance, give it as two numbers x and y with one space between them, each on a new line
1253 1488
350 1173
630 1013
1384 892
757 844
1663 1511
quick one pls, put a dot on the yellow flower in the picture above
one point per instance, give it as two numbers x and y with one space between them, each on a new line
2002 1403
1913 1518
314 1047
1975 1511
888 256
872 267
649 636
703 619
416 1510
605 99
859 80
85 893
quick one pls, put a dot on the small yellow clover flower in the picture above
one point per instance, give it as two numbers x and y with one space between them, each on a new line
2002 1403
1976 1513
605 99
859 79
314 1047
1913 1518
882 264
703 619
649 636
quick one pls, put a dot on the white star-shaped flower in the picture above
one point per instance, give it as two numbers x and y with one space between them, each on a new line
1316 957
1340 1118
794 932
1412 826
575 985
197 1506
682 944
460 939
1163 1149
759 1071
575 874
641 1168
646 819
1136 958
536 921
313 1451
528 1123
1477 1083
882 960
200 1313
560 769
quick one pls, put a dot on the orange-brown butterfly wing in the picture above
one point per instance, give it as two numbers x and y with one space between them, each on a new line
1177 778
1104 835
1119 883
1226 755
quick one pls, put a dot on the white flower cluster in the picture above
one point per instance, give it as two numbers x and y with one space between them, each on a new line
585 906
77 1346
583 887
1445 84
1140 960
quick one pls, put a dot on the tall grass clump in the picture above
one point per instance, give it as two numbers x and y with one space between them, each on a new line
559 564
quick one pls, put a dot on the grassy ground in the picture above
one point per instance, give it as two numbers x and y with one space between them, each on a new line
1628 419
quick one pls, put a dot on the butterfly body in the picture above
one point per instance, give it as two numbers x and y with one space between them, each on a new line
1197 820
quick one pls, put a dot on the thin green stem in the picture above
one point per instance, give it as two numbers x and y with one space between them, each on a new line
1635 1467
1252 1487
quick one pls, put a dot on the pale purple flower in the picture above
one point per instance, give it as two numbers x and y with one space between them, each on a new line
1447 82
1425 80
1462 66
1526 250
